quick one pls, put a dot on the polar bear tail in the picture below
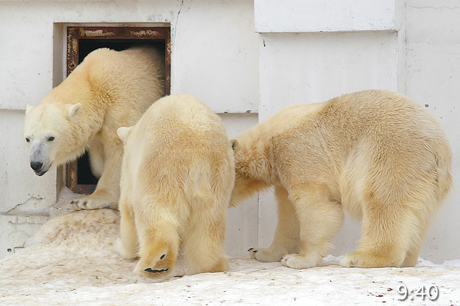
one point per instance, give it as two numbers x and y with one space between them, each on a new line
444 176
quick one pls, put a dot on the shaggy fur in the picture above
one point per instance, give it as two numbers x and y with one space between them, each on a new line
377 154
177 177
107 90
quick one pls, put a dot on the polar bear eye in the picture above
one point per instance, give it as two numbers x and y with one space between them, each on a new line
162 256
27 139
51 138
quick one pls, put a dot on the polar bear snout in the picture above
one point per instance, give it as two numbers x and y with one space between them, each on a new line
39 167
40 156
36 166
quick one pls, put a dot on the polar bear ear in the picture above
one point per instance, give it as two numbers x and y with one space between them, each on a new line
28 108
124 132
235 144
74 109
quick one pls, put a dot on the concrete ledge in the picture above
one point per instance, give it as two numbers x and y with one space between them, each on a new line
15 230
296 16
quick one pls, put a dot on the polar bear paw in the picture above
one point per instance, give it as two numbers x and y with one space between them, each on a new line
159 269
368 260
351 260
265 254
89 203
296 261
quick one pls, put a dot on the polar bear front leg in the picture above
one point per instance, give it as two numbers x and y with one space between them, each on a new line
97 200
96 157
107 190
287 239
320 221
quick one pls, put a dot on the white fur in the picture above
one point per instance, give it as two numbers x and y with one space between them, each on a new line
177 177
378 154
107 90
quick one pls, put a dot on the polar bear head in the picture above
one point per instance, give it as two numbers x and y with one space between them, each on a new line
250 168
50 135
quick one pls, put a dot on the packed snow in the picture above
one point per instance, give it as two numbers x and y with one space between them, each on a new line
70 261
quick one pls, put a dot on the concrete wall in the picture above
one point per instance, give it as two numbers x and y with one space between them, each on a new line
432 78
240 56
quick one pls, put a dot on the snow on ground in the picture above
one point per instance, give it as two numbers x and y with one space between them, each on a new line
71 261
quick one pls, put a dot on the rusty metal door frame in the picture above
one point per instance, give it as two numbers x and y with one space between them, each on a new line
74 34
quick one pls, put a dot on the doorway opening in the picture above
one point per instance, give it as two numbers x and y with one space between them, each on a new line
80 42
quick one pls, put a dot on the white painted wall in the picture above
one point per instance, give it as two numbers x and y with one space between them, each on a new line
314 67
242 225
433 79
238 56
294 16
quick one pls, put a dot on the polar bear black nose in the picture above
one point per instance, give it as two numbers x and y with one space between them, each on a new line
36 165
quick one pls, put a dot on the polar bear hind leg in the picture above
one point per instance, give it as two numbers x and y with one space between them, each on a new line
159 246
392 232
204 241
204 244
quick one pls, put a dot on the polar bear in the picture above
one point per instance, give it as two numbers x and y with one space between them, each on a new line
109 89
377 154
177 177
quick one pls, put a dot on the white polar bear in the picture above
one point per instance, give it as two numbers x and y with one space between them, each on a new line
109 89
378 154
177 177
